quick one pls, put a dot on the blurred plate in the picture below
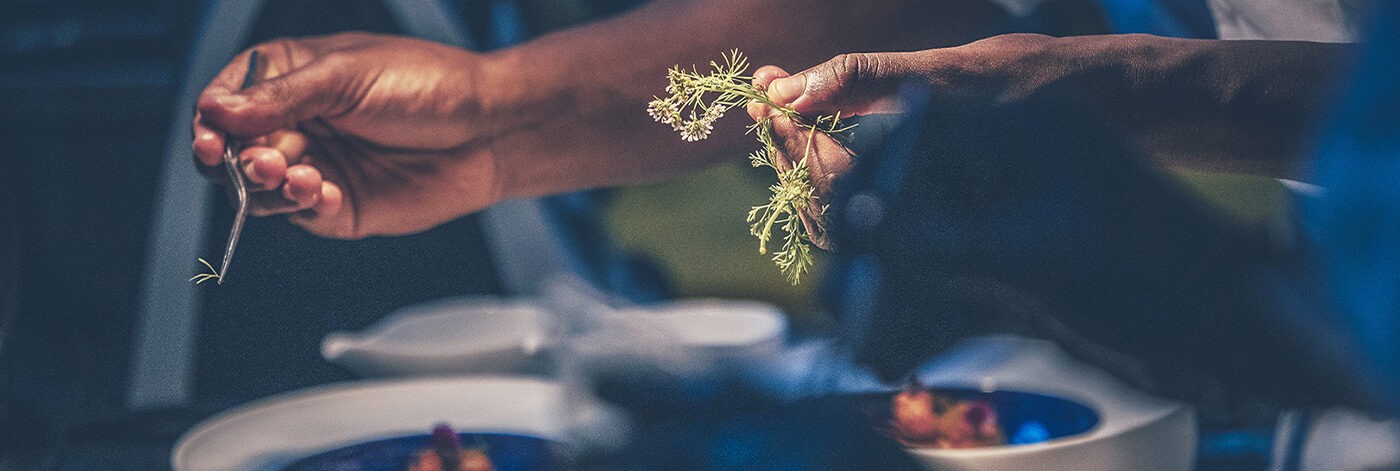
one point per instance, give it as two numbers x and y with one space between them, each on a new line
269 434
720 326
453 336
482 335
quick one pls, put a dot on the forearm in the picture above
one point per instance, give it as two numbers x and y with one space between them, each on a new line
1243 106
570 107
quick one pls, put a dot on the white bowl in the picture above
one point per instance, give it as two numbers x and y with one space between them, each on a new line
1136 431
269 434
446 337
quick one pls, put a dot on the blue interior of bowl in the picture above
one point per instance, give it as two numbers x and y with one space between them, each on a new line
507 452
1034 418
1024 417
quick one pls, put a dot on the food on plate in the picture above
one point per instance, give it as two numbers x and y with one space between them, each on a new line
447 454
921 418
442 450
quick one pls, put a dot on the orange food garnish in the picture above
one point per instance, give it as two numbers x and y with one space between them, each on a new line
922 419
447 454
472 459
475 460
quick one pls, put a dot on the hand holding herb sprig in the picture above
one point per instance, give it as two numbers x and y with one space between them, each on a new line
697 100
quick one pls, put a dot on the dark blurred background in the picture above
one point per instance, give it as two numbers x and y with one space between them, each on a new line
87 90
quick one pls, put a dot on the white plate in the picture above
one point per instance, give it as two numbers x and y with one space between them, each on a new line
268 434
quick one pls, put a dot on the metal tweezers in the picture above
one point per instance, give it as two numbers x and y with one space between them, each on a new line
236 177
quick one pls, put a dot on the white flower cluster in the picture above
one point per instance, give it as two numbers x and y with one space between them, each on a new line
688 92
699 128
666 111
696 127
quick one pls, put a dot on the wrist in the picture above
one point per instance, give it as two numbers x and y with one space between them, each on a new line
518 93
1139 65
515 91
550 107
1102 66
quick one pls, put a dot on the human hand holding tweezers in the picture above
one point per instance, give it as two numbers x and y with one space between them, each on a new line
236 177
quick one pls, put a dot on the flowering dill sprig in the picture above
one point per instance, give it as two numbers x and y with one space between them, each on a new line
696 101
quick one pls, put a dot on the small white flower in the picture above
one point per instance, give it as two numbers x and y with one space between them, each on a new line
696 129
664 111
714 113
654 110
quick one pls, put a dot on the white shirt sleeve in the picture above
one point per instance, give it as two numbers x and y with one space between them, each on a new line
1332 21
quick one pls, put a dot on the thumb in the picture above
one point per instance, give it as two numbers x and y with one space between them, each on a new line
860 83
279 102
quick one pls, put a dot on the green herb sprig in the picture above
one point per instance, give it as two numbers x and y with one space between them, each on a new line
203 277
697 100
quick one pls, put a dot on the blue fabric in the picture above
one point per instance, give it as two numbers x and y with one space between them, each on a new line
1356 221
1176 18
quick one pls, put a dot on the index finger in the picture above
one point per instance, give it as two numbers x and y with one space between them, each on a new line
230 79
279 57
208 140
761 78
766 75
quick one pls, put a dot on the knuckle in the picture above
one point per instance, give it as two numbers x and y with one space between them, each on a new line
1019 39
269 44
1024 37
337 59
273 91
842 68
851 68
277 44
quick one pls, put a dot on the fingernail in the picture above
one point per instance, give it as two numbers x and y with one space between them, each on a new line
786 90
251 171
290 193
231 101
